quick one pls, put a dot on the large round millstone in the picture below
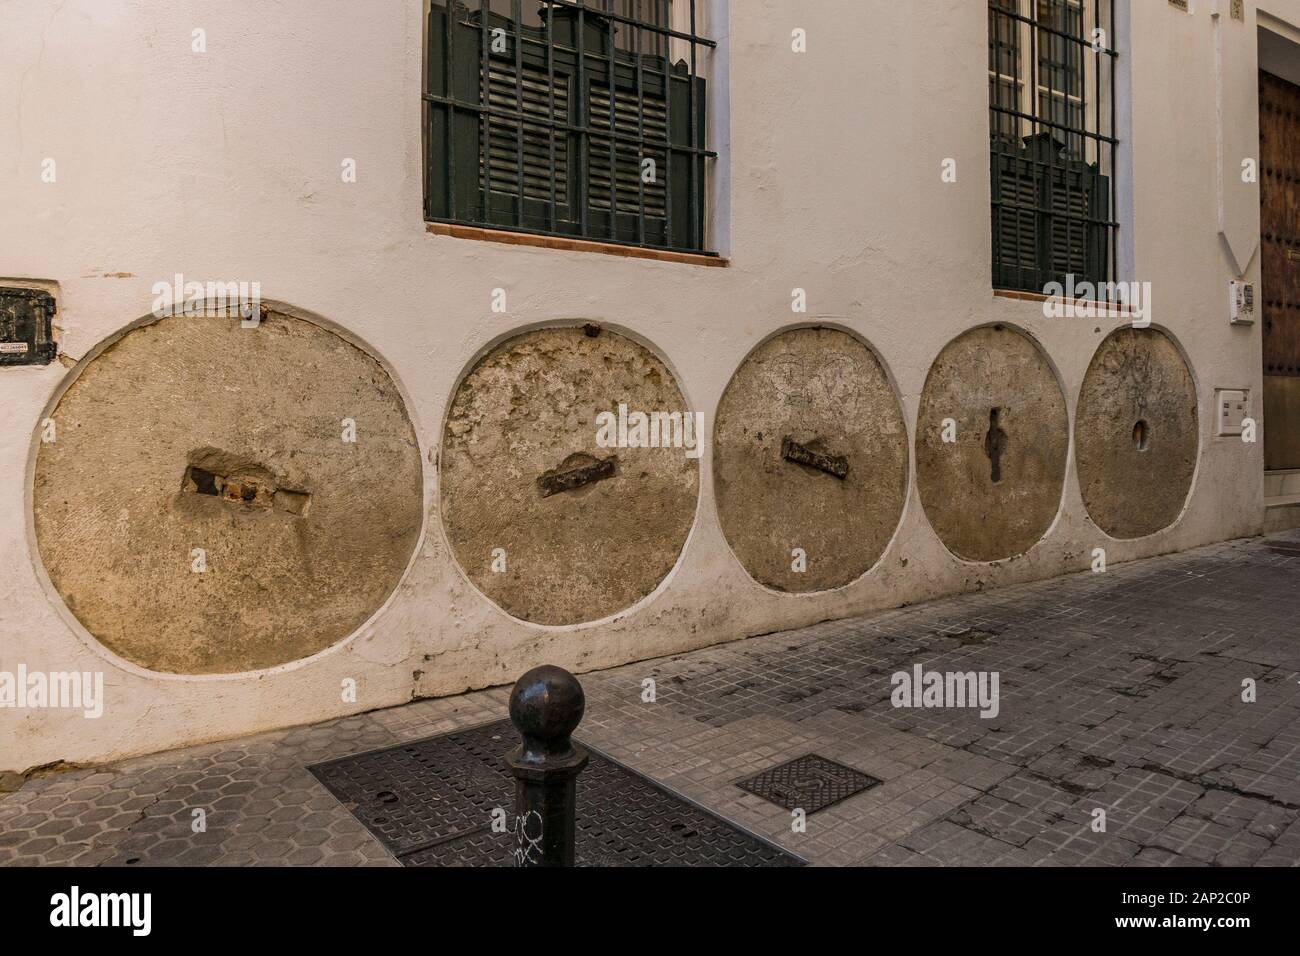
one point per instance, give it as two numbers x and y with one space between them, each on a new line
810 454
1136 433
192 443
549 523
993 490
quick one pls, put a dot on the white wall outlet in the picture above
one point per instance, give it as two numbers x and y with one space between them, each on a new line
1241 303
1233 406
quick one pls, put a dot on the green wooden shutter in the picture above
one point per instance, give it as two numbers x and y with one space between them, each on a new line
1016 261
535 191
627 155
453 47
486 150
1078 194
1098 244
680 91
1044 213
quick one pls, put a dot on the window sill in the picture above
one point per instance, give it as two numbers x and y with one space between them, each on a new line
571 245
1115 311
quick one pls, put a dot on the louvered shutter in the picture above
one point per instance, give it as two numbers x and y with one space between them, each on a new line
1080 199
1068 202
1016 261
659 114
487 146
499 164
628 157
1045 219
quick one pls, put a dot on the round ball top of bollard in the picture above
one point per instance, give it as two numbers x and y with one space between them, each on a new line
546 706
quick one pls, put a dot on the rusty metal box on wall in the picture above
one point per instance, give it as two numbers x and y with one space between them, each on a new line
26 336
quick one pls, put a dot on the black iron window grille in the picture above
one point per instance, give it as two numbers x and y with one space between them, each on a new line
1052 131
583 119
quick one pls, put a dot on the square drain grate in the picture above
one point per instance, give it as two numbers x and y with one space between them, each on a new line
809 783
430 803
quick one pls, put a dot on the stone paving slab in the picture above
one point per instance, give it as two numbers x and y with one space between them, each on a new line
1120 692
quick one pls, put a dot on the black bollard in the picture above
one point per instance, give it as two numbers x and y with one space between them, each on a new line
546 707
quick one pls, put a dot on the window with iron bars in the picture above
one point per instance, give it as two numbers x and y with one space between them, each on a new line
1052 132
583 119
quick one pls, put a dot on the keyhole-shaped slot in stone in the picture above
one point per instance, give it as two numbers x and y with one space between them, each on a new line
1141 435
995 443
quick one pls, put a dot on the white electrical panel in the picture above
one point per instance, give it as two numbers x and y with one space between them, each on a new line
1233 406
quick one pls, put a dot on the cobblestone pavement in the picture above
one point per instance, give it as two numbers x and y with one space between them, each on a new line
1120 692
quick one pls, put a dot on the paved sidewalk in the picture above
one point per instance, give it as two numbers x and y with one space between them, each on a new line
1120 692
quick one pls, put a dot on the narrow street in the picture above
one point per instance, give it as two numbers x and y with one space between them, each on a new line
1119 692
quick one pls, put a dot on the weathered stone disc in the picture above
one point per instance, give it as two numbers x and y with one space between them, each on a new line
529 408
994 491
194 433
829 394
1136 433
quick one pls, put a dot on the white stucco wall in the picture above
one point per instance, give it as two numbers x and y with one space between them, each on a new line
226 165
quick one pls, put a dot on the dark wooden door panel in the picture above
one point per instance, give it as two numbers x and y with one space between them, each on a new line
1279 135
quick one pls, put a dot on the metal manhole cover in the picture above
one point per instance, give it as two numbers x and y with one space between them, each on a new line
809 783
430 803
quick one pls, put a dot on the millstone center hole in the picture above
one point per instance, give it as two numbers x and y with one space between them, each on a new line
995 444
1141 435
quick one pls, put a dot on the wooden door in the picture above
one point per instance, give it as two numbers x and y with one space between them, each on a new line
1279 135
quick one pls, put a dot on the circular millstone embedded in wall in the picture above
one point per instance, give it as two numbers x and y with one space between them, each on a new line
992 439
200 511
545 512
810 461
1136 433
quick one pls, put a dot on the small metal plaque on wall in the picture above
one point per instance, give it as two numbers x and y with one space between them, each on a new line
26 335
